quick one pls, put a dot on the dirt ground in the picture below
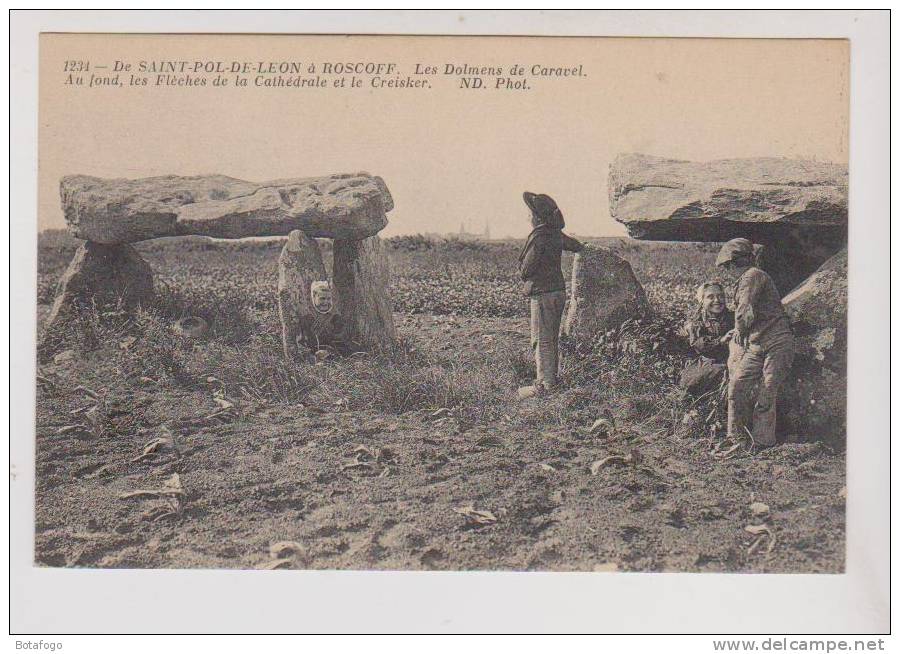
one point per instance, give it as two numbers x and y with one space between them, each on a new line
416 491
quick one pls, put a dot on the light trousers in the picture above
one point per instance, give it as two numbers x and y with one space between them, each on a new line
755 376
546 316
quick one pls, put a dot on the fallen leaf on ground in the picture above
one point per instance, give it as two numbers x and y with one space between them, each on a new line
64 356
761 531
759 509
756 543
726 453
356 463
757 529
277 564
68 429
286 548
223 403
171 488
361 451
478 516
166 441
602 427
597 465
87 391
606 567
49 383
631 457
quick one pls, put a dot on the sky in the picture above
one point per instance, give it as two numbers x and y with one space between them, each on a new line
449 155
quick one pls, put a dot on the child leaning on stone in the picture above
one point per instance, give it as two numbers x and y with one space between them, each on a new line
541 269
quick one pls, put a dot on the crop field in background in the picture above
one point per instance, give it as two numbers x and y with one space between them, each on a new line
415 458
442 277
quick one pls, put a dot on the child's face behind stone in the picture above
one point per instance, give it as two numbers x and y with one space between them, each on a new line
322 298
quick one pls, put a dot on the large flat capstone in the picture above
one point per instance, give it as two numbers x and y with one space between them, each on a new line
796 208
346 206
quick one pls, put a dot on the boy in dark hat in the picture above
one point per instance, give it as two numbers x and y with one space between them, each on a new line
541 270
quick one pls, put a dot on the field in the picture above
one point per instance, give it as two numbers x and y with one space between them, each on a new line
417 458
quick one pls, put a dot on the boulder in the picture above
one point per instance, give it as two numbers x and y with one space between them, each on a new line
362 286
102 276
796 208
816 395
128 210
605 293
299 265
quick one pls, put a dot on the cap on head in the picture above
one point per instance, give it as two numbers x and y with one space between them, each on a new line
544 209
736 248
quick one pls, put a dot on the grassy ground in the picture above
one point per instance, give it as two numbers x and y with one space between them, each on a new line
417 458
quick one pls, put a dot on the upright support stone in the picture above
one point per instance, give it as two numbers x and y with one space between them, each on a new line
605 293
362 286
101 276
299 266
816 393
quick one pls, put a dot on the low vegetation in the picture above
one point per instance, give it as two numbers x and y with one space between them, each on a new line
435 412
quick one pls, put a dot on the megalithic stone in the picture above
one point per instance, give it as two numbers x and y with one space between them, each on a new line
605 293
816 391
362 286
129 210
796 208
100 276
299 265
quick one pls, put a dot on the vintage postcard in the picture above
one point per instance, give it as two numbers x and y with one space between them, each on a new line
442 303
523 321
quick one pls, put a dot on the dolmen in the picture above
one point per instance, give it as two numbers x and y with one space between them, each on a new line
111 214
797 210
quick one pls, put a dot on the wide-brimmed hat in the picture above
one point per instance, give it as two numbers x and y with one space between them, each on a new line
545 208
736 248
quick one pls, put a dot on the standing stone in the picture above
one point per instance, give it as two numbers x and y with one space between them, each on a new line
299 265
796 208
101 276
362 286
816 395
605 293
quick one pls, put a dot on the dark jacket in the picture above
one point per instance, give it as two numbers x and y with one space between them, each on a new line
539 261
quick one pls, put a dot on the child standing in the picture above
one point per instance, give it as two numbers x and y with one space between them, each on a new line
541 270
762 349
